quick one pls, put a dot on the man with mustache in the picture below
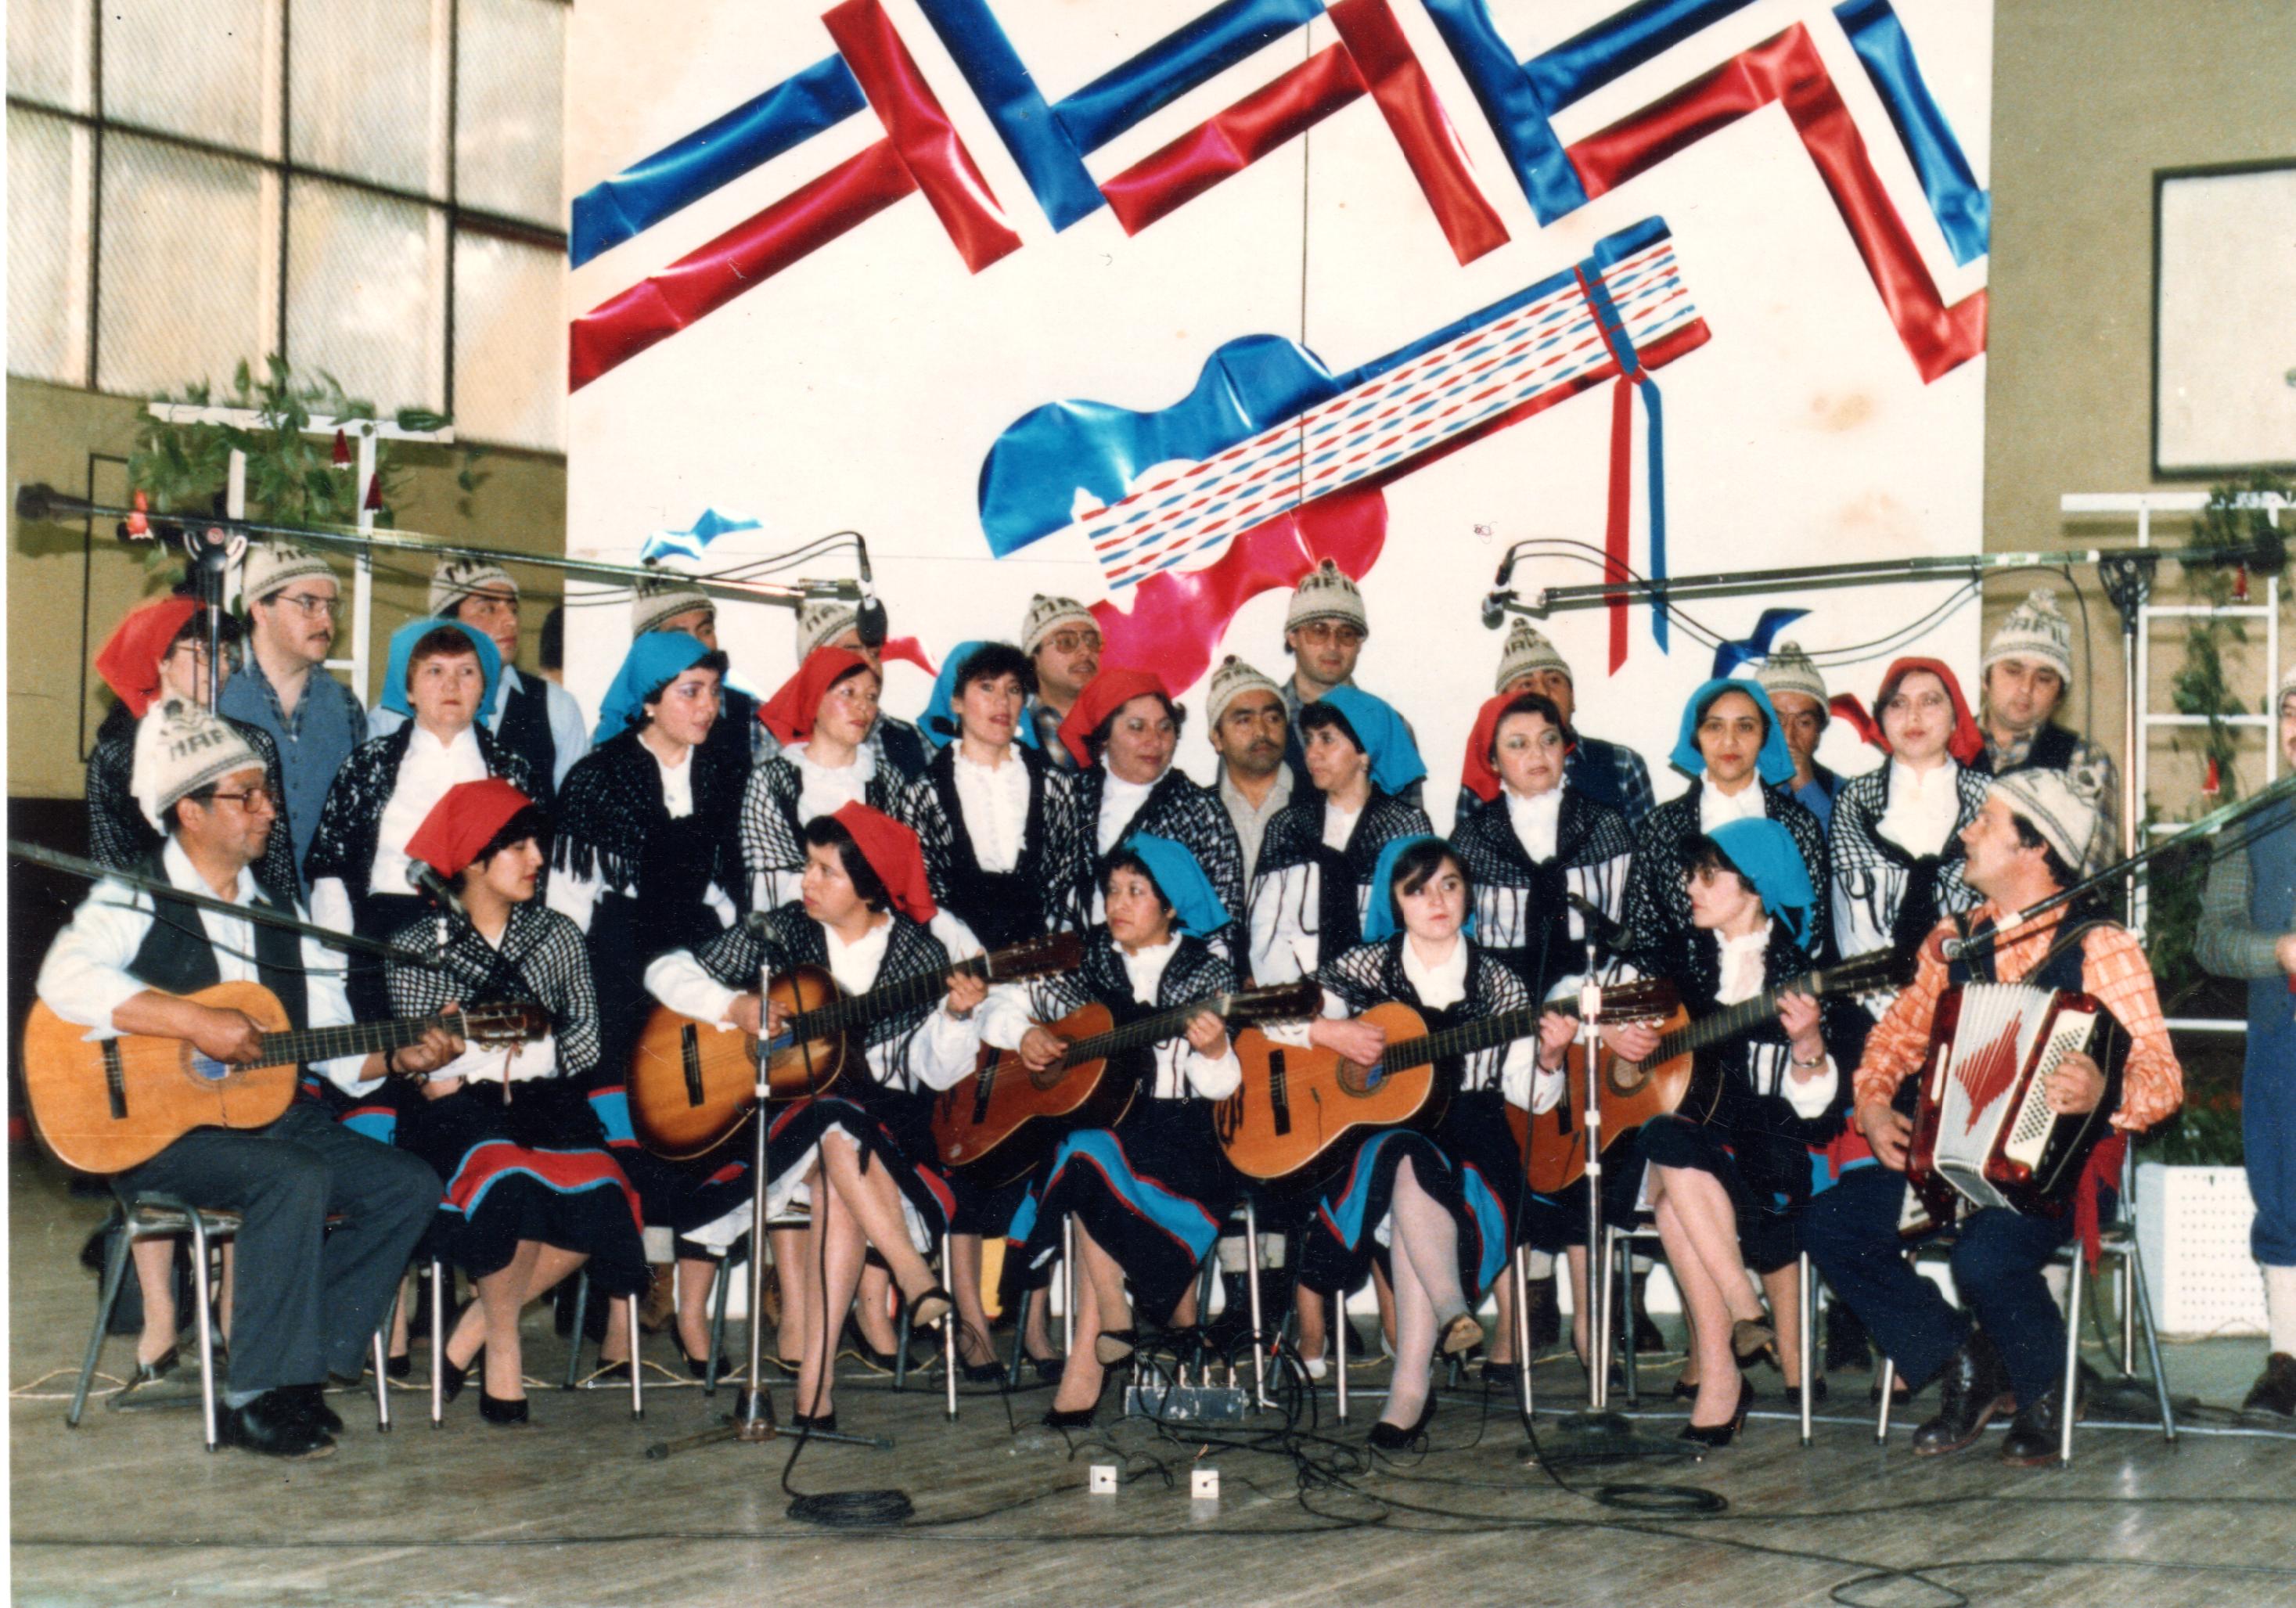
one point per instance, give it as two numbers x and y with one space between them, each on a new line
1248 725
1062 642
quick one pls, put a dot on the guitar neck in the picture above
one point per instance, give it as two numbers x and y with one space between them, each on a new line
1147 1030
843 1015
1465 1040
352 1039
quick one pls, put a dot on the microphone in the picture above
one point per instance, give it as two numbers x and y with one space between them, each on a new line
1495 608
420 876
1506 568
869 616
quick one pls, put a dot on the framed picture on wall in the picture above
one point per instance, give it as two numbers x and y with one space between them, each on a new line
2224 319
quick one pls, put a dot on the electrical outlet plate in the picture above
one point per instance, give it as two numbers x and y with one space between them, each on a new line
1203 1484
1103 1480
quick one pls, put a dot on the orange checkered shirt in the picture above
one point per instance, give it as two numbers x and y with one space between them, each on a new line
2113 968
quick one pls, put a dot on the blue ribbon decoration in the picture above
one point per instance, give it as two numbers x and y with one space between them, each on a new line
713 155
1963 209
1128 95
1614 328
1041 149
1618 45
1729 655
690 541
1511 104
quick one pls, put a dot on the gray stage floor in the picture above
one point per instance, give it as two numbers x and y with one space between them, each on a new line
128 1509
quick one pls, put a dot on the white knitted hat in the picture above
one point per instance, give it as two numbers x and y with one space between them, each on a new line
268 567
2034 629
1232 678
1047 614
1789 670
2061 806
2288 681
180 748
455 578
652 602
1526 652
818 623
1326 594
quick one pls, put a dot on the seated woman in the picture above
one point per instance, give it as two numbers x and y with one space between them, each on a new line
1536 846
1895 836
441 674
860 915
1725 1191
1148 1197
1443 1201
531 1192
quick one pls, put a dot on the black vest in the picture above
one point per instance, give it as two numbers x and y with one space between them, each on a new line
2062 971
176 956
525 731
1002 908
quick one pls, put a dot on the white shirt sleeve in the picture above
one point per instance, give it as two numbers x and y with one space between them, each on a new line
572 895
570 735
331 904
1276 933
1214 1080
1295 1033
955 936
1004 1016
326 1004
943 1053
1526 1083
677 980
85 978
1813 1099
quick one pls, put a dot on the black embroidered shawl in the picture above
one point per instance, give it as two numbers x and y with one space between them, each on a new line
119 837
1371 974
612 804
350 823
543 961
1657 902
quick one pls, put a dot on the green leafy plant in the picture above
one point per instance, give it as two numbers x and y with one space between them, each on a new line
2199 686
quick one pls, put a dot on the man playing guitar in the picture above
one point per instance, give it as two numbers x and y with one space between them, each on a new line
2035 827
305 1301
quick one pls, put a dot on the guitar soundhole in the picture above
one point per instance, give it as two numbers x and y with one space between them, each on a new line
209 1069
1627 1077
1361 1079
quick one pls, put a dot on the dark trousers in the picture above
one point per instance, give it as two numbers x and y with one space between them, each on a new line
1851 1233
305 1302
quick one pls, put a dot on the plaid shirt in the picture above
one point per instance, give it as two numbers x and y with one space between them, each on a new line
1629 792
2113 968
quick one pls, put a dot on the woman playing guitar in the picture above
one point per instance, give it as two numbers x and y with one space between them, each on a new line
1715 1187
1446 1197
1148 1197
860 915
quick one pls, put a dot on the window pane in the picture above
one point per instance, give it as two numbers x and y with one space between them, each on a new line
196 67
47 52
508 70
47 250
364 286
509 342
188 277
369 92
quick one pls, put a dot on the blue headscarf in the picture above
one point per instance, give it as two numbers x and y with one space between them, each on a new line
939 721
402 645
1381 733
1379 921
1196 908
654 657
1775 764
1767 855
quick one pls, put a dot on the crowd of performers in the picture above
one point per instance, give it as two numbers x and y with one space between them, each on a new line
694 837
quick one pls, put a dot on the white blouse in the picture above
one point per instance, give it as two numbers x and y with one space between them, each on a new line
995 799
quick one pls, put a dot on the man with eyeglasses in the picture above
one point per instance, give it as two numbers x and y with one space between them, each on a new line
1063 640
314 719
1324 631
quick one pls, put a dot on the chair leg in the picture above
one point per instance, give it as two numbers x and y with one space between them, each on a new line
1520 1271
116 1258
1889 1394
637 1384
901 1332
2144 1306
382 1375
718 1298
1336 1321
1068 1286
948 1333
2072 1356
1805 1299
1622 1274
439 1343
581 1327
1259 1347
1021 1333
202 1307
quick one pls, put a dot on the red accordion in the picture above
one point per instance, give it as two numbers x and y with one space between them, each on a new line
1983 1132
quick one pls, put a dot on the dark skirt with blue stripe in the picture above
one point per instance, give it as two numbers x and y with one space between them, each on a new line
1469 1165
889 1129
536 1169
1153 1192
1761 1200
1556 1222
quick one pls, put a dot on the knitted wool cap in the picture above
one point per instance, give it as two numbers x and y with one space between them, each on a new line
2288 681
1326 594
1046 615
655 601
1526 652
819 623
269 567
180 748
1233 678
2034 629
1789 670
2061 806
455 578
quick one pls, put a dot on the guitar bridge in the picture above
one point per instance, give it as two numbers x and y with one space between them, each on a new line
115 1080
689 1051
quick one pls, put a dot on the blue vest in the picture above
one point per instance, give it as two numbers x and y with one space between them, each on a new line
2271 896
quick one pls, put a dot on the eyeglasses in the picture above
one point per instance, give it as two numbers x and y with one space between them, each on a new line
1070 642
311 605
252 800
1327 630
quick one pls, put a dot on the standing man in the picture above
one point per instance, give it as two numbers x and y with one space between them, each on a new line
892 741
1063 640
1324 631
534 719
2248 929
1798 693
314 719
1608 773
2028 666
1248 725
304 1302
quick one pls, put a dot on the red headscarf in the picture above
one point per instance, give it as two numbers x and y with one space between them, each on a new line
1102 697
789 713
1967 743
1475 772
129 662
892 853
464 821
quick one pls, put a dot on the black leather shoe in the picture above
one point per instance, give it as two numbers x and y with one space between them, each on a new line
1496 1372
2036 1434
699 1367
500 1409
1718 1435
1078 1418
823 1423
881 1362
311 1402
1387 1437
2275 1390
1048 1370
1972 1391
991 1372
272 1426
400 1366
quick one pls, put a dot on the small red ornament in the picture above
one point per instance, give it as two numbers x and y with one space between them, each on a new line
342 451
137 525
2214 785
374 492
2240 584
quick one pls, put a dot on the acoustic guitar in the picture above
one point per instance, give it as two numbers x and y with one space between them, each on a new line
1294 1104
105 1105
1003 1120
1554 1142
692 1084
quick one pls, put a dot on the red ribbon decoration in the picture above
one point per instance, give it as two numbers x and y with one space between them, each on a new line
1620 498
1421 126
1787 69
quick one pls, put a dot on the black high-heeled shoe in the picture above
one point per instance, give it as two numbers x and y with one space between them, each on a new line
1048 1370
500 1409
1718 1435
1075 1418
1752 1342
1387 1437
400 1366
452 1379
699 1367
823 1423
1689 1392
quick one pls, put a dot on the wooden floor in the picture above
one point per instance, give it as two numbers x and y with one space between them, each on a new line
128 1509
